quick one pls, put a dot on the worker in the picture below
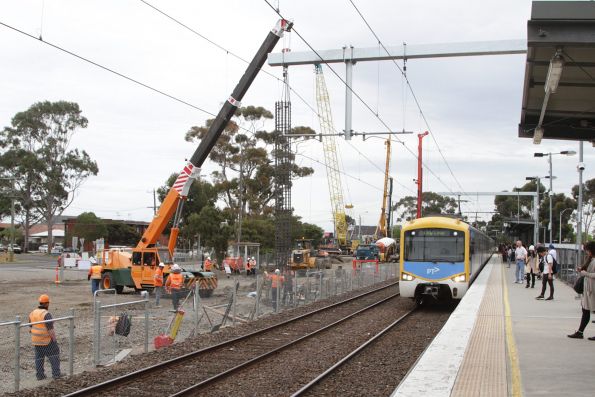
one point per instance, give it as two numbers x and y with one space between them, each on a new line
208 264
252 265
276 282
43 339
174 284
158 283
94 275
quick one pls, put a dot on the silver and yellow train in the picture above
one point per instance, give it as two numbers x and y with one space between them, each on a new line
441 257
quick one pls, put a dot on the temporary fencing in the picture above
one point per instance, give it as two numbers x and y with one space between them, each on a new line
121 325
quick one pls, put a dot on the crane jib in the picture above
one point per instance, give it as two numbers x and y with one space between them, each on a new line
229 108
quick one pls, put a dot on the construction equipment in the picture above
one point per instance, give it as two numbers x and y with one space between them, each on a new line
331 161
137 269
381 228
303 255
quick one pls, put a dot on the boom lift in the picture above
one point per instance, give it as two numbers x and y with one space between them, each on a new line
137 269
332 163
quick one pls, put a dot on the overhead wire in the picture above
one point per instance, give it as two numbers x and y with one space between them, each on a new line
414 98
366 105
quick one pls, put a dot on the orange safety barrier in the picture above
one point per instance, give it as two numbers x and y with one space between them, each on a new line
57 280
359 262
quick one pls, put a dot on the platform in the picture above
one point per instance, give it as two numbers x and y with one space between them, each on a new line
501 341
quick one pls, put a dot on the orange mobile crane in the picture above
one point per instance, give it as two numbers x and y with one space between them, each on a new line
137 269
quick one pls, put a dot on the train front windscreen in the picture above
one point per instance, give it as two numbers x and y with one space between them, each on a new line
434 245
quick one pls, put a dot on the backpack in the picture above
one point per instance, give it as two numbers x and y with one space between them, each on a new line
123 324
555 266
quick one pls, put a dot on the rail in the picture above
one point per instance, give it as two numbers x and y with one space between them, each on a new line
91 390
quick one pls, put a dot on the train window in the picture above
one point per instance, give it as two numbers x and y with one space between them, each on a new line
434 245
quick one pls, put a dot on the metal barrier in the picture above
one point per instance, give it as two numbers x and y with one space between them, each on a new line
28 361
567 260
119 332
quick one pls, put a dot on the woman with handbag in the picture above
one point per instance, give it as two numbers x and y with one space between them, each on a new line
531 267
587 270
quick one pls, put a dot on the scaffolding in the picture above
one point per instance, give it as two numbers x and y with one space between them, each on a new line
283 165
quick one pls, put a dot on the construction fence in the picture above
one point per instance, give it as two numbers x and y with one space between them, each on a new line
122 325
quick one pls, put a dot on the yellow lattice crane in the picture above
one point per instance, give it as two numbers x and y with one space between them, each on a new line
331 160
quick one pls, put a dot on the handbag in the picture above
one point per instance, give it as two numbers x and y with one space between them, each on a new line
579 285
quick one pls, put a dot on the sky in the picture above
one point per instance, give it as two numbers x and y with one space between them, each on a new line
472 104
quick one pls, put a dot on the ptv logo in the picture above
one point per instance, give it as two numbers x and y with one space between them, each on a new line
433 270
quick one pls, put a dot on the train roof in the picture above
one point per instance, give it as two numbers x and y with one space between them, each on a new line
440 222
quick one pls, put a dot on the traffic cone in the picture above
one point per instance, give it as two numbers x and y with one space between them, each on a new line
57 281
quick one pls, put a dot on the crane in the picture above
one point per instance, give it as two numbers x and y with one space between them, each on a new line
381 228
330 157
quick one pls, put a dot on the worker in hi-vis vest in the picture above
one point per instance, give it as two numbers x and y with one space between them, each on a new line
174 284
43 339
94 275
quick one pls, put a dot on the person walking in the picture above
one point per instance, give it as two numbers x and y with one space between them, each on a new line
510 255
546 265
520 254
94 275
43 339
158 283
531 267
588 299
174 284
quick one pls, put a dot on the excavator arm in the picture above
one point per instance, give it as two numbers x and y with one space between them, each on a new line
172 205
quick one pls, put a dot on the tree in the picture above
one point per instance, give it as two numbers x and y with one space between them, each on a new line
37 151
588 205
120 233
89 227
432 204
213 228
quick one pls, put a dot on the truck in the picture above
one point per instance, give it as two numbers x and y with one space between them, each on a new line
367 251
136 268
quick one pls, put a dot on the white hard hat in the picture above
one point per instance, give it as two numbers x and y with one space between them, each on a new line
252 257
531 248
277 271
161 264
208 258
175 267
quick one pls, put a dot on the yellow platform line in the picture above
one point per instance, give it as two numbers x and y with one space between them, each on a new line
515 372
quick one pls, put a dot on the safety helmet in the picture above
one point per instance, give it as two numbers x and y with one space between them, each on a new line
175 268
252 257
531 248
44 298
277 271
208 258
161 264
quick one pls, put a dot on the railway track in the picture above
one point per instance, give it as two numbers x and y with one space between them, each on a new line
185 374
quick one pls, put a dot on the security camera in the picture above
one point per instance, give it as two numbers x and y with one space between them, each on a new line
580 166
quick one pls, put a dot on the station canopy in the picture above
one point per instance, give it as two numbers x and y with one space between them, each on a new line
559 86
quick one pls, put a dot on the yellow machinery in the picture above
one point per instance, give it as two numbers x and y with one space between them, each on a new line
331 160
303 255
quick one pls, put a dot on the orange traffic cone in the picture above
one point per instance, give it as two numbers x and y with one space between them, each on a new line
57 281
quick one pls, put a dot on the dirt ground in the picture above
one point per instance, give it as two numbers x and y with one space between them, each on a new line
33 274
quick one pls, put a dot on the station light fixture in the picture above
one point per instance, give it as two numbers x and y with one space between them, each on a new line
554 73
538 135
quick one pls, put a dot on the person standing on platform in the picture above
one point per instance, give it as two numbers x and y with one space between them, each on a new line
520 254
510 255
588 298
43 339
531 268
158 282
552 252
546 265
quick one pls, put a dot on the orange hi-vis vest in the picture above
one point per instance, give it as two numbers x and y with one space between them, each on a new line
176 280
95 272
40 336
158 277
276 280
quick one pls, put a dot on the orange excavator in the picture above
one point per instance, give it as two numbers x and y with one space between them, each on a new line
136 269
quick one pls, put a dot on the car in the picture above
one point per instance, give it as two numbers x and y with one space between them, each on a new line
43 248
57 250
2 247
16 249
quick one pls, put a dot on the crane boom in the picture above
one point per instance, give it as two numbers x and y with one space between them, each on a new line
381 229
330 156
172 204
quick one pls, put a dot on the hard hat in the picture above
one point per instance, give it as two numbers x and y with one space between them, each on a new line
208 258
252 257
161 264
175 268
277 271
44 299
531 248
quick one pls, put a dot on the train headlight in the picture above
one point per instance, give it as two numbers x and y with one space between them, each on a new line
406 277
459 279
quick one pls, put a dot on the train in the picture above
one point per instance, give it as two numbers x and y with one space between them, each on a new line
440 258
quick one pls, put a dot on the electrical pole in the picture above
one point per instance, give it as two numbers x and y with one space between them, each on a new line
551 194
579 237
419 173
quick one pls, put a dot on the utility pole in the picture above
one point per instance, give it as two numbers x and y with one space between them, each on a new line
240 205
579 237
551 194
390 208
419 173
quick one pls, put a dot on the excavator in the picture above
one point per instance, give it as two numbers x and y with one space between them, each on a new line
136 269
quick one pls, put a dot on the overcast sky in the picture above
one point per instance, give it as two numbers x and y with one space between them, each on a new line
136 136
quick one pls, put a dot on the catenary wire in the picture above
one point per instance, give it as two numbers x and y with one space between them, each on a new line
366 105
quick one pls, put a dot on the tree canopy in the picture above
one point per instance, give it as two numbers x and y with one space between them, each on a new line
432 204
